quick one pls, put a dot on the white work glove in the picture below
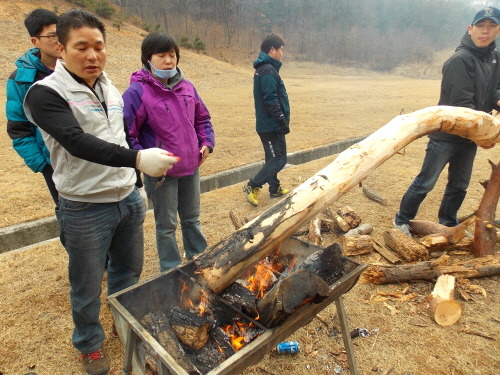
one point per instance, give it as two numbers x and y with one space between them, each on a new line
144 197
155 162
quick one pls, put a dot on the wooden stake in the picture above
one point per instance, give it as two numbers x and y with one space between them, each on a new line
485 233
445 310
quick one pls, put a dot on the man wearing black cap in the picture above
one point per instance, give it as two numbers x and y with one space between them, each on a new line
471 78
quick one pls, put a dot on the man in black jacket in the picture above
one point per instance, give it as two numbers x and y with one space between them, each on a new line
471 78
272 115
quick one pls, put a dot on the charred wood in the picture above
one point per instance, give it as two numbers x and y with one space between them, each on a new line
190 328
288 294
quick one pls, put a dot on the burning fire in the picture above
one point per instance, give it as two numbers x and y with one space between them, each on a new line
264 276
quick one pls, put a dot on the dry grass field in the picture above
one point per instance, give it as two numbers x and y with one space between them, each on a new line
328 104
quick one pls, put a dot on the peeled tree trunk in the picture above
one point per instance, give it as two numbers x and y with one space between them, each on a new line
227 260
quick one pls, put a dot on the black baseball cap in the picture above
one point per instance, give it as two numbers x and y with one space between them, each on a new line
490 12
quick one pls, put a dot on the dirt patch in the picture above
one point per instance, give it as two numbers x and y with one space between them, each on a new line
328 104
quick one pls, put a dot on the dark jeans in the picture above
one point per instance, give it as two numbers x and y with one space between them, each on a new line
47 174
460 157
275 160
89 231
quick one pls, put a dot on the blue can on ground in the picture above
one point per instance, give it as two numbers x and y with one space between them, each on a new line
288 347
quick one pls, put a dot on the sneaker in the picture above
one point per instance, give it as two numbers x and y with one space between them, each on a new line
96 363
279 193
252 194
405 228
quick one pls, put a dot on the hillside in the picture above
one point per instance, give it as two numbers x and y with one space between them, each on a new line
328 104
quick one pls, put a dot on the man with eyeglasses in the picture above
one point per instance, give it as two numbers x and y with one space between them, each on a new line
37 63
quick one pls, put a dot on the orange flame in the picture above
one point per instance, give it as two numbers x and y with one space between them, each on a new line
264 276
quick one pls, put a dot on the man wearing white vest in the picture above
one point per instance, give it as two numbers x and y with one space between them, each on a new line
100 211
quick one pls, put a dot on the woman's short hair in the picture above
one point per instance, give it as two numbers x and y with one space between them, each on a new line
157 42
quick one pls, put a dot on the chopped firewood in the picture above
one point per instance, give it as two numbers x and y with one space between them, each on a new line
386 253
452 234
191 329
356 245
445 310
405 246
327 225
434 242
485 233
431 270
314 235
350 217
476 332
364 228
370 194
235 219
466 244
341 223
288 294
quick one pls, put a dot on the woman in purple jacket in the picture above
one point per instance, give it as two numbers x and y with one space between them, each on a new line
162 109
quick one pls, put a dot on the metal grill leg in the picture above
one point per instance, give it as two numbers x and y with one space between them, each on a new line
130 341
346 336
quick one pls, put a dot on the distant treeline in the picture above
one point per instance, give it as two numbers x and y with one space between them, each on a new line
376 34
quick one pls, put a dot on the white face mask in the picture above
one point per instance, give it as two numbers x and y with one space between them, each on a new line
162 73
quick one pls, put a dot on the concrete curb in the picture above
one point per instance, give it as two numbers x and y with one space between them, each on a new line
29 233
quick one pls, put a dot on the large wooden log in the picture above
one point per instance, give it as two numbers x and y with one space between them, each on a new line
224 262
431 270
485 234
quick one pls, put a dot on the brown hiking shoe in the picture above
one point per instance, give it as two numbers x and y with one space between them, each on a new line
96 363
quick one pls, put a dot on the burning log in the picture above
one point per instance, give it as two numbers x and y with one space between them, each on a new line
445 309
405 246
356 245
289 294
157 324
241 298
191 329
485 233
327 263
222 340
431 270
207 357
307 282
227 260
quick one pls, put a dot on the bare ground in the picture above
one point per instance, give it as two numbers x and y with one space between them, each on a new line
328 104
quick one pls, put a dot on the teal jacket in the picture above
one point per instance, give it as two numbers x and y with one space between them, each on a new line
272 109
26 138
